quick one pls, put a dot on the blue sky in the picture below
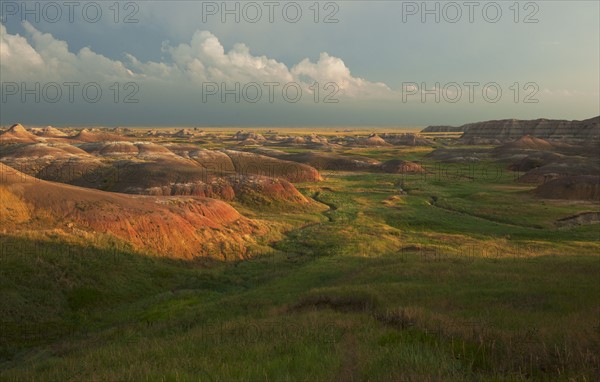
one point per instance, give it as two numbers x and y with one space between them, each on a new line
372 58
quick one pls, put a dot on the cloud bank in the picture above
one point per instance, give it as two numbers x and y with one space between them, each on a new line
39 56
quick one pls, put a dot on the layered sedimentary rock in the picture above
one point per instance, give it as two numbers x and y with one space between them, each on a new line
181 227
582 187
18 134
506 130
443 129
406 139
96 135
167 170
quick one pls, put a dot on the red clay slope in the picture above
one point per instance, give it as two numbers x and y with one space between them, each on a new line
181 227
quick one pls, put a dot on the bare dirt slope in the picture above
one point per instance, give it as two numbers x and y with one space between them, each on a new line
180 227
510 129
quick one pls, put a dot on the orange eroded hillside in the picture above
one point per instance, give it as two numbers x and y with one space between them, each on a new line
181 227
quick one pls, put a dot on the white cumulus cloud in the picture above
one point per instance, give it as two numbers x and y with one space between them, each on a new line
39 56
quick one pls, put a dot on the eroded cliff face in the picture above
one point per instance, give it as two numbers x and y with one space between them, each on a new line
506 130
491 132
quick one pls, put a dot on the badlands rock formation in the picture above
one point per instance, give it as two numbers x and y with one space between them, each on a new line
18 134
582 187
170 169
506 130
179 227
511 129
443 129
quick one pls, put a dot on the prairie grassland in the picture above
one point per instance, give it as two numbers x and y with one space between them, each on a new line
456 275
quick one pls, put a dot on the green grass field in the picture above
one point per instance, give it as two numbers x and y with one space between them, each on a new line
462 276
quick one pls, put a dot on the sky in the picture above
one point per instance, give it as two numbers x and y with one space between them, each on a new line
271 63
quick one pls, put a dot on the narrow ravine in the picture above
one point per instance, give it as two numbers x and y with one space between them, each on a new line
332 207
